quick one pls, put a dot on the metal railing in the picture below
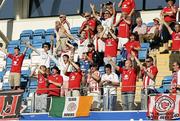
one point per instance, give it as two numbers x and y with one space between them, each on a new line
110 100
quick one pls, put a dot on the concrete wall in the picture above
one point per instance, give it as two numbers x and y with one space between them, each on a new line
45 23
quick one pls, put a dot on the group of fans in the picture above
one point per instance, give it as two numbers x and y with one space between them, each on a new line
102 37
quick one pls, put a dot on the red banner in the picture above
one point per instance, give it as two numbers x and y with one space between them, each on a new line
10 104
164 106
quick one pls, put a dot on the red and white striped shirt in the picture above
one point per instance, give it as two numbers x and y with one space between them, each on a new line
93 84
147 81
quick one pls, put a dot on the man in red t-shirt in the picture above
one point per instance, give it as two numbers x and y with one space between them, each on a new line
175 50
75 79
127 6
128 85
111 43
55 82
88 25
132 45
41 91
169 14
123 29
15 72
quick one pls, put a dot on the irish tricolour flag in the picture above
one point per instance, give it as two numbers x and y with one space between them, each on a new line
70 106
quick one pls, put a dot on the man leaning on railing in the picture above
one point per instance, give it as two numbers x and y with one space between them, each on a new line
109 81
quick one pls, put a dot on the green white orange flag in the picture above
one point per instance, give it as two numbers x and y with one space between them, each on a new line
70 106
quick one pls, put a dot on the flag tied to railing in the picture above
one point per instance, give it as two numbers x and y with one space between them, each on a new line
70 106
164 106
10 104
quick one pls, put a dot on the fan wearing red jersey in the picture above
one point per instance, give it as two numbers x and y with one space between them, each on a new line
175 53
15 72
123 29
128 87
41 91
75 79
169 15
133 45
111 43
127 6
55 82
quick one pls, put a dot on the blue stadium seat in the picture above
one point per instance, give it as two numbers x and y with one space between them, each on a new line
84 65
74 30
37 41
25 73
1 75
8 61
150 24
39 33
167 79
145 45
32 84
52 63
26 34
166 84
47 39
50 32
22 48
38 45
13 43
142 54
6 86
10 50
101 70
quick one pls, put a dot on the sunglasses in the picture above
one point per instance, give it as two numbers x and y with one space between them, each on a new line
106 13
87 16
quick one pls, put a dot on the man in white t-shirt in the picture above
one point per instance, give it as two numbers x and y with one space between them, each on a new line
44 58
109 81
107 19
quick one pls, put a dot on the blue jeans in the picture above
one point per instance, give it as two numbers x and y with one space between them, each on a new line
109 102
128 100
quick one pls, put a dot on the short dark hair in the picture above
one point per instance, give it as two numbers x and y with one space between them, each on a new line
151 58
109 3
108 66
56 68
135 34
65 55
91 45
77 63
94 65
178 63
174 1
17 47
46 43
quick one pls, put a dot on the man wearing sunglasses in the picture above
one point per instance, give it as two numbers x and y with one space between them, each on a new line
88 25
149 72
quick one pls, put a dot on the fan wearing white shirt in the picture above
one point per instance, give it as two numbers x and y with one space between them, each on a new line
109 82
107 19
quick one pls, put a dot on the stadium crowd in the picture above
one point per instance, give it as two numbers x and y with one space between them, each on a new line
102 38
